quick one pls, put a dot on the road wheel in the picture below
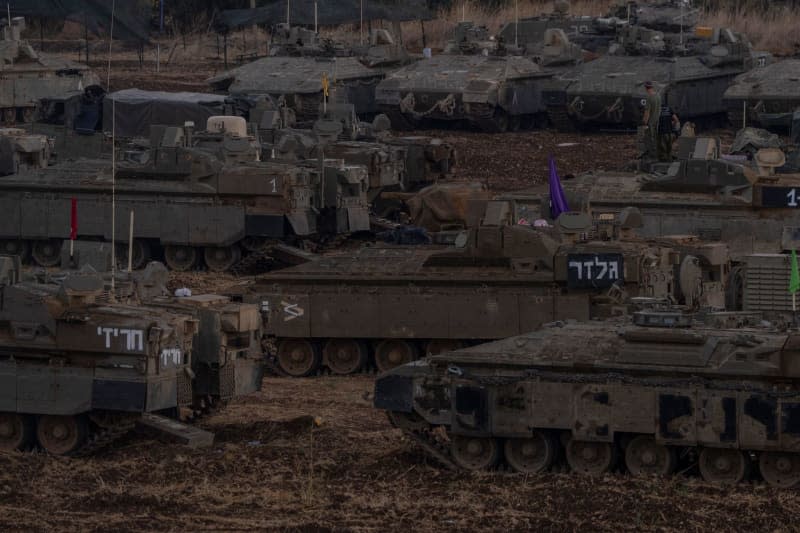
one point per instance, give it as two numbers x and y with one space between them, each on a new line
391 353
16 247
221 258
474 453
61 435
345 356
47 253
16 431
531 455
180 258
141 254
298 357
645 457
587 457
780 469
722 465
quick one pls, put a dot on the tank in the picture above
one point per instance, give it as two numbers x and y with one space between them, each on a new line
671 16
597 34
405 163
28 76
691 78
745 204
78 371
592 34
391 304
768 95
198 197
296 79
658 392
493 93
226 358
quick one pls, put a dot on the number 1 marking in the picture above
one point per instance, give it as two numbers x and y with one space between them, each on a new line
792 197
274 183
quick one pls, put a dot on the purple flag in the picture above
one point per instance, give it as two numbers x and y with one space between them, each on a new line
558 202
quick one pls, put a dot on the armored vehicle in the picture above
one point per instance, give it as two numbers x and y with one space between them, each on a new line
470 39
742 203
662 391
28 76
590 33
691 78
596 34
226 353
671 16
490 92
392 163
499 280
207 196
227 357
77 371
769 95
297 79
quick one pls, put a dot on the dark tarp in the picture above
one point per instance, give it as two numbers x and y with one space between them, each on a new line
136 110
132 17
330 12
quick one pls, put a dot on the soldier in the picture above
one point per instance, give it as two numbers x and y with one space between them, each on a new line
660 123
652 110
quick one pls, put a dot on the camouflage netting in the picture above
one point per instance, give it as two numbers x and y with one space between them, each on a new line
132 17
330 12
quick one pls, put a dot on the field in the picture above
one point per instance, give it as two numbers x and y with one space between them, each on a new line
312 455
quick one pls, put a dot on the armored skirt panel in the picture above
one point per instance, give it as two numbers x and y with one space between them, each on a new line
676 413
38 388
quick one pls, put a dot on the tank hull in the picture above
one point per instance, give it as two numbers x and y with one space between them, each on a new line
609 92
592 393
767 96
482 90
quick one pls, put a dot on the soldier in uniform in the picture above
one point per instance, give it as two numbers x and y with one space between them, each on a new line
660 123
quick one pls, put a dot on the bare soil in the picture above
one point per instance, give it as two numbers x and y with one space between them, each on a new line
273 467
513 161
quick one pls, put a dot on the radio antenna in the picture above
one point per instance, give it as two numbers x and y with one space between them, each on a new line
113 156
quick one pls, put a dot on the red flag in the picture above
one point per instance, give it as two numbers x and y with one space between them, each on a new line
73 227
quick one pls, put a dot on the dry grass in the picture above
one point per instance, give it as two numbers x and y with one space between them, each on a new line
774 29
439 31
366 477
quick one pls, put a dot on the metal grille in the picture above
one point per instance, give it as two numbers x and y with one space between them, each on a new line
185 396
227 381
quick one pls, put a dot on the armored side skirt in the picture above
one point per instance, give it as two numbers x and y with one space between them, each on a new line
36 389
591 409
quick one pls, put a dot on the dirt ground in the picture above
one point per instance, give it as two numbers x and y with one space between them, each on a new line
269 470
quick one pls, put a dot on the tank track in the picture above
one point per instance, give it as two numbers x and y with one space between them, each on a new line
105 437
560 119
428 442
